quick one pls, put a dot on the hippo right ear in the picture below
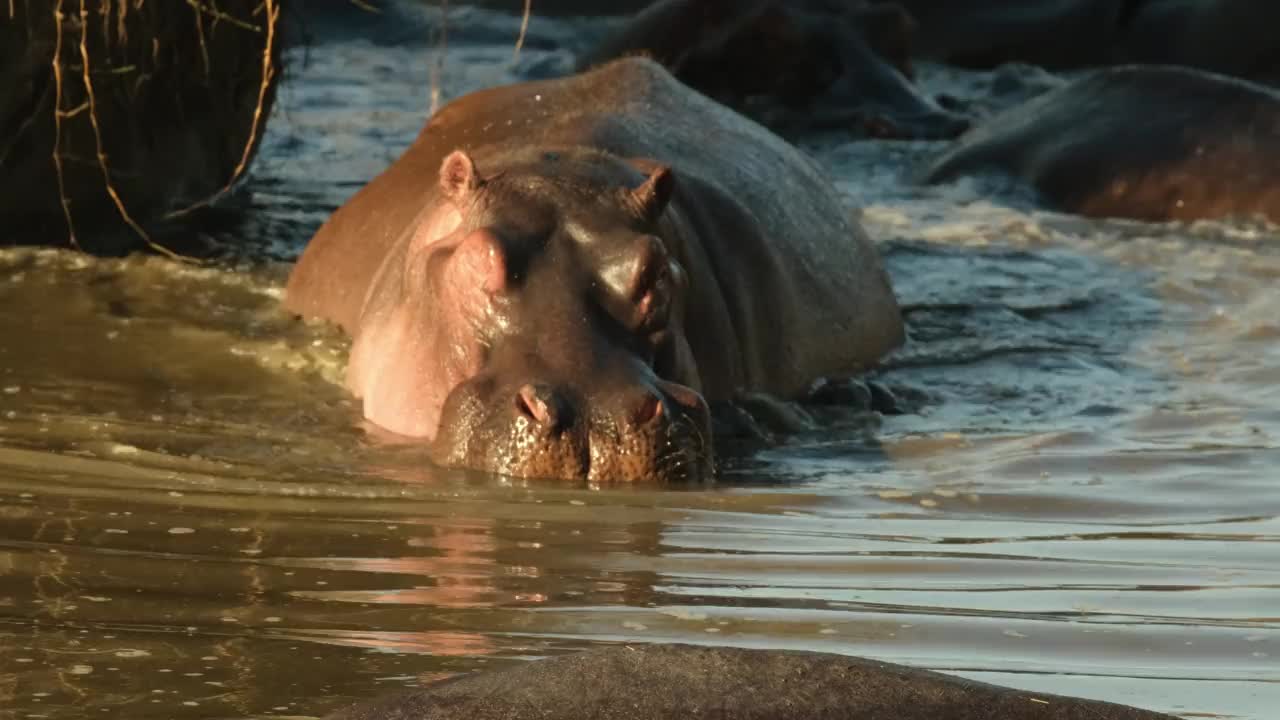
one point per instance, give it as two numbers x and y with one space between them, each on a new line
458 176
651 198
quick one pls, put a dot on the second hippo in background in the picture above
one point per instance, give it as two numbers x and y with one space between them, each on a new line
1144 142
797 65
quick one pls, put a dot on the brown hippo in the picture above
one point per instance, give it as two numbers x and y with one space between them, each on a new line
1144 142
556 277
798 65
674 682
1233 37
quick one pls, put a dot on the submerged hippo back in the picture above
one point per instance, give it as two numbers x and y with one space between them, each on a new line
674 682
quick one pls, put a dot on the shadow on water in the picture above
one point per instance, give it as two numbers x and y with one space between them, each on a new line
1077 499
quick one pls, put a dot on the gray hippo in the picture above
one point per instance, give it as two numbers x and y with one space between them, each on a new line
674 682
1143 142
557 277
793 64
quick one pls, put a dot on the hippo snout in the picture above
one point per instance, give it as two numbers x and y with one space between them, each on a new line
549 412
545 410
657 431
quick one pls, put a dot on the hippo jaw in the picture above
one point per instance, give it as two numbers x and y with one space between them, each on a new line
534 329
657 432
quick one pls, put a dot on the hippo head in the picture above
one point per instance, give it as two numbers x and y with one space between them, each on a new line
531 325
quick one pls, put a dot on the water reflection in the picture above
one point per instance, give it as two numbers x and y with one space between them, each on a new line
211 602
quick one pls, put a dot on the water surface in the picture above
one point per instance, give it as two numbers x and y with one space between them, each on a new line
1081 499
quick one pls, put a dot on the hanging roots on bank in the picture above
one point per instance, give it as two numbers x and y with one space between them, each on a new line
156 95
123 114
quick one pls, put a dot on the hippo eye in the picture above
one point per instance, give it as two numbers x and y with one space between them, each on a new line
638 286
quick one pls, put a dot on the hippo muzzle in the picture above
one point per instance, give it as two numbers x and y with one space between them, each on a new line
607 428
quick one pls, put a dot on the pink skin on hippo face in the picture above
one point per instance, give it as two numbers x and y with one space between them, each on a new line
404 368
532 328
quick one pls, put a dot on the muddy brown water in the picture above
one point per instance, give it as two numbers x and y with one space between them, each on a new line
1083 498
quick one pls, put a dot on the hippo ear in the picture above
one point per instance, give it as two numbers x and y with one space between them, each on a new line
458 176
654 193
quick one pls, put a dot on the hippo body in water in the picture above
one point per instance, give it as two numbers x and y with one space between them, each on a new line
556 277
674 682
793 64
1143 142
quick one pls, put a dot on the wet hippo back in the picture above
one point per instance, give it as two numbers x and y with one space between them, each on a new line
1144 142
674 682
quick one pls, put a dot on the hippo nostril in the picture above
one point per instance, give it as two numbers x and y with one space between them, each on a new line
649 410
542 405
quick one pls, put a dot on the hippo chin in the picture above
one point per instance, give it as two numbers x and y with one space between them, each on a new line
674 682
557 277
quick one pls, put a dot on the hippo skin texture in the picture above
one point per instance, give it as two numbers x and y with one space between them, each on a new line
674 682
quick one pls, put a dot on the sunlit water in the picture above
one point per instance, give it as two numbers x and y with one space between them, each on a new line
1082 499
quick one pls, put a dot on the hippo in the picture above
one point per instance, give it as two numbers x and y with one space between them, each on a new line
1232 37
797 66
674 682
558 277
1144 142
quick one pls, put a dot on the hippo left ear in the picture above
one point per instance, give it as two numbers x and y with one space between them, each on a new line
458 176
654 193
